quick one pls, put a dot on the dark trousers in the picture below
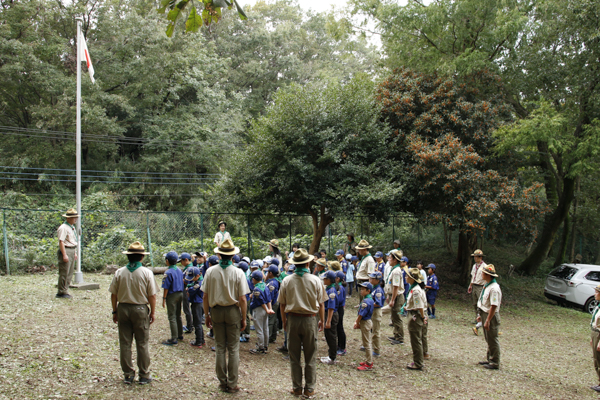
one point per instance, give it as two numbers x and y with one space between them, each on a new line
174 314
186 310
350 284
341 334
279 320
197 313
331 336
273 325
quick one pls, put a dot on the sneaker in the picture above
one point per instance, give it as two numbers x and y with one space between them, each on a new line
64 296
413 366
196 344
596 388
396 341
491 366
309 393
330 362
187 330
362 348
258 351
475 331
375 354
180 338
144 381
243 339
432 317
484 362
296 392
210 336
233 390
170 342
282 349
342 352
426 356
128 380
326 360
366 367
213 348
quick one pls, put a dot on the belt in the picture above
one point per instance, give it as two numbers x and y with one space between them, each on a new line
70 247
293 314
218 306
476 284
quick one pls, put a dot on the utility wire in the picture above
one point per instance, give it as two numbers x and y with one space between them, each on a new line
129 183
120 172
110 176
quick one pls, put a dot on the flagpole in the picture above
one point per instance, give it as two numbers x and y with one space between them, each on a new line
78 278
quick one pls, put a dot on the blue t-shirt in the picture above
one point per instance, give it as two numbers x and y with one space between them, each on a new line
341 297
350 273
366 308
432 281
344 265
378 296
173 280
331 301
260 296
250 287
195 294
273 286
381 267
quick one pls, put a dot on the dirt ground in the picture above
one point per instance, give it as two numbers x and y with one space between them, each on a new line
56 348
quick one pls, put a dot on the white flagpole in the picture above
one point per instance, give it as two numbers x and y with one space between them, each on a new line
78 278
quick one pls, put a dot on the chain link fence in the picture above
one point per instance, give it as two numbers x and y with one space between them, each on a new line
29 236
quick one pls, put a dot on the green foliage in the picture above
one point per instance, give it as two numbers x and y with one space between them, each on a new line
211 13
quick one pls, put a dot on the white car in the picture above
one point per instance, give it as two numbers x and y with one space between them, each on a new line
574 284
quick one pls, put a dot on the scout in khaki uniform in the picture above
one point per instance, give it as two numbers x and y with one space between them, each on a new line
489 314
367 264
133 288
67 253
477 283
350 245
595 342
394 290
364 322
301 297
417 323
222 235
225 288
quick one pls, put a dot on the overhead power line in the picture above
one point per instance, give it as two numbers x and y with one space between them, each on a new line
121 182
120 172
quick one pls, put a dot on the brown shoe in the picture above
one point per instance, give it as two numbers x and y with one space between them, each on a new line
426 356
413 366
308 393
296 392
233 390
223 387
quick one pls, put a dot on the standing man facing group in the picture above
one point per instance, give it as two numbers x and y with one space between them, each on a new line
67 253
477 283
367 264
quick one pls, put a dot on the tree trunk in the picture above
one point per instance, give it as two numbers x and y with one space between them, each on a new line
320 222
574 226
597 261
562 248
552 223
448 239
463 258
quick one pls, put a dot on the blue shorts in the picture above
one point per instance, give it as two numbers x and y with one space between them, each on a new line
431 298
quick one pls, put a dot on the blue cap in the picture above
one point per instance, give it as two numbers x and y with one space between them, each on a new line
185 256
339 253
213 260
235 259
291 269
192 272
172 257
354 258
379 255
243 265
366 285
341 275
329 275
275 261
432 266
405 259
257 275
274 269
376 275
255 264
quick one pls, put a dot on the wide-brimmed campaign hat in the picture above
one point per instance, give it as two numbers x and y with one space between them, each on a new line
301 256
322 262
477 253
227 248
415 274
363 244
135 248
274 243
222 223
397 254
334 265
490 270
71 213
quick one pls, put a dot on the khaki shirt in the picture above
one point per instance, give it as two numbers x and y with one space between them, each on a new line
416 299
367 266
133 287
220 237
595 319
477 274
492 296
302 295
66 234
394 279
224 286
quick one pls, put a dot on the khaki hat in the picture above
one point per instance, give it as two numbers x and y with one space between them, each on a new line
397 254
71 213
363 244
397 241
301 256
477 253
221 223
415 274
490 270
136 248
274 243
597 288
334 265
227 248
322 262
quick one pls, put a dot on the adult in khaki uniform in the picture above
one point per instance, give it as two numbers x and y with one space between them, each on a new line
394 291
415 305
67 253
225 288
595 342
489 315
301 298
132 289
367 264
222 235
350 246
477 283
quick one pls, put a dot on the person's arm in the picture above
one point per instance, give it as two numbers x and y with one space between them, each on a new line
152 301
113 300
321 316
357 323
473 275
491 314
165 293
207 319
242 302
395 290
329 317
283 315
61 246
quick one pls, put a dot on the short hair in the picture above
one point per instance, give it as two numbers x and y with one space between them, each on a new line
135 257
226 257
322 251
297 245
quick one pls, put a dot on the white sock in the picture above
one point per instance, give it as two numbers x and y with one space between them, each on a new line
478 325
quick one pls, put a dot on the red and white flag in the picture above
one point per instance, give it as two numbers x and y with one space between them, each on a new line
85 56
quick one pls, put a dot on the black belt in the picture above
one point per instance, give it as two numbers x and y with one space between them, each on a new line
476 284
70 247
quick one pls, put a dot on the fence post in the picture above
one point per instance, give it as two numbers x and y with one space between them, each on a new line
329 230
393 229
149 239
201 232
5 242
290 218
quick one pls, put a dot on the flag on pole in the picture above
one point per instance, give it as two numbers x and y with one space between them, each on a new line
85 56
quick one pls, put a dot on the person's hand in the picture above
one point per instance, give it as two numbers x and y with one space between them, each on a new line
285 326
115 318
391 303
470 289
425 319
478 318
320 325
164 303
75 256
327 325
486 325
598 347
243 325
208 322
152 318
65 258
270 312
356 326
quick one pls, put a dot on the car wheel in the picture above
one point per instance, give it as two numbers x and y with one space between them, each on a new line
590 305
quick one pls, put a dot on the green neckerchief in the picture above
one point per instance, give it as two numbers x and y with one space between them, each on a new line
486 285
301 271
222 236
392 270
369 296
406 301
594 316
260 285
330 286
74 232
224 264
192 283
134 265
172 266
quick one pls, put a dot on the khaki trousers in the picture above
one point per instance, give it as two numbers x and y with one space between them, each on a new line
302 335
415 328
174 301
377 318
596 353
396 320
491 337
475 295
134 321
365 330
227 322
65 270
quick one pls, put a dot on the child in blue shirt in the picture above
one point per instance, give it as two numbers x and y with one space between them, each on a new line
186 262
195 296
431 288
378 295
350 275
380 262
363 321
331 316
340 276
245 334
260 306
173 297
273 286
